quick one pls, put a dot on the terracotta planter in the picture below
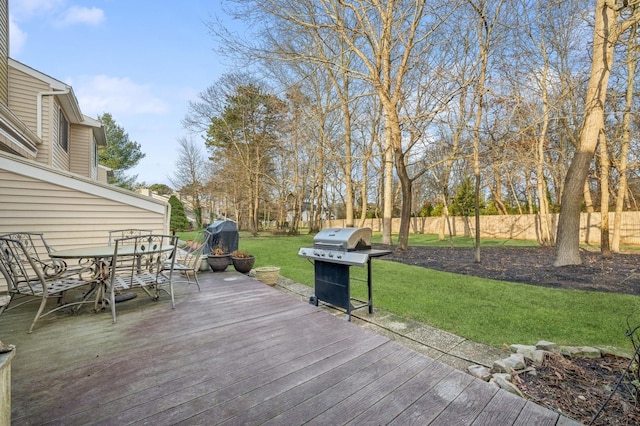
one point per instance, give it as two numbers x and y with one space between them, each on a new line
218 262
243 264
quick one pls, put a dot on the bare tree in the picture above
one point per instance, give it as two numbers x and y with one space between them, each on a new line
608 26
191 174
621 164
488 15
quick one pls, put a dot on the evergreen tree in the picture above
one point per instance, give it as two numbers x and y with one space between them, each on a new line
179 221
120 154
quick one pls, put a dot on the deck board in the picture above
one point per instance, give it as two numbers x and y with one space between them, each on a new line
237 352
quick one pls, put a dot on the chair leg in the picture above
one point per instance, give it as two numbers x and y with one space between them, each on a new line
40 309
112 302
195 276
5 301
173 301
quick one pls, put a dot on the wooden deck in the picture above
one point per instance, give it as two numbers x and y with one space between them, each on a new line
239 353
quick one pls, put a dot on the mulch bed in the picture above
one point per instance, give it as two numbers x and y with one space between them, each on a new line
530 265
576 387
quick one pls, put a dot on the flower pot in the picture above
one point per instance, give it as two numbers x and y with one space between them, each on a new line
243 264
268 274
204 267
218 262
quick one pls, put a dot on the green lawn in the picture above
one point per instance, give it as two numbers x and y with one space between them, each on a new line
487 311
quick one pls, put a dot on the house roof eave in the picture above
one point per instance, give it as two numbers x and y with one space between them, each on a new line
99 132
67 97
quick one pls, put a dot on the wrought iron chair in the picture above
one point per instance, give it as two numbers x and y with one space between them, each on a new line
27 278
188 260
126 233
39 250
144 261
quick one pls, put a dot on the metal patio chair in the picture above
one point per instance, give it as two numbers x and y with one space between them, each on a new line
144 261
188 259
39 250
126 233
28 281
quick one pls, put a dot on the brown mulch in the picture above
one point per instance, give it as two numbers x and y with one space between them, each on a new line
575 387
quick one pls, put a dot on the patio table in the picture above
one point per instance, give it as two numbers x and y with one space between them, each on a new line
94 261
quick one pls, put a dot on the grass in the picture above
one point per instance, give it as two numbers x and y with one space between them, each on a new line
487 311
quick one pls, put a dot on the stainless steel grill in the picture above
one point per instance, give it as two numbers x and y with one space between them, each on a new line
334 251
347 246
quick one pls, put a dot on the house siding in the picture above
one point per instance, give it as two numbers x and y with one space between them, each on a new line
60 159
80 152
23 95
102 175
39 200
4 51
93 165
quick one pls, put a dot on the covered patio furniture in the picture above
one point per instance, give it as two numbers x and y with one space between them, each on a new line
223 234
30 279
144 261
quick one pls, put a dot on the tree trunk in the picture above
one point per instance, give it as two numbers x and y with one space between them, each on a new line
605 250
347 167
586 195
626 138
387 209
546 233
568 246
405 187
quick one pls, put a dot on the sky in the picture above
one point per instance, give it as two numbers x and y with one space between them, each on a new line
142 61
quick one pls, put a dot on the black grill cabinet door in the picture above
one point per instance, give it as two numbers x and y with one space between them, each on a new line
332 283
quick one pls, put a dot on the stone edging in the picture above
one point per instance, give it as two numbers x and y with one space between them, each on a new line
501 372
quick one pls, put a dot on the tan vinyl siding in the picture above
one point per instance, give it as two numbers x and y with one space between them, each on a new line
80 151
68 217
60 158
102 175
93 149
23 95
4 51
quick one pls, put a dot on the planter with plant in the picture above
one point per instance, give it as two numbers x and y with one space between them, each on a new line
218 260
242 261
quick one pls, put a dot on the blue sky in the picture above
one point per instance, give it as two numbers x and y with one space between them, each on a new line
140 60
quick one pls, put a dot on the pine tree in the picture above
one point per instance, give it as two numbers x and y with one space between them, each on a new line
179 221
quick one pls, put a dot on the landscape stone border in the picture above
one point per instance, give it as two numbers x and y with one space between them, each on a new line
501 374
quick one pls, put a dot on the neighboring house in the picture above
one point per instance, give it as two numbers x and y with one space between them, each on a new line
50 180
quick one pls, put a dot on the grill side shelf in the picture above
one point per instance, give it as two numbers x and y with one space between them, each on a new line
335 256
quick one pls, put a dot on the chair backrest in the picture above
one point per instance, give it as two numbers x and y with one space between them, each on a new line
126 233
22 272
39 251
191 255
143 254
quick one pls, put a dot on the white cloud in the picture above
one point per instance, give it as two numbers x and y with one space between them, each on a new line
118 96
81 15
28 8
17 38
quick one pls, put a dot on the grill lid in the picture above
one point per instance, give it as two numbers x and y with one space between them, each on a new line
346 239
